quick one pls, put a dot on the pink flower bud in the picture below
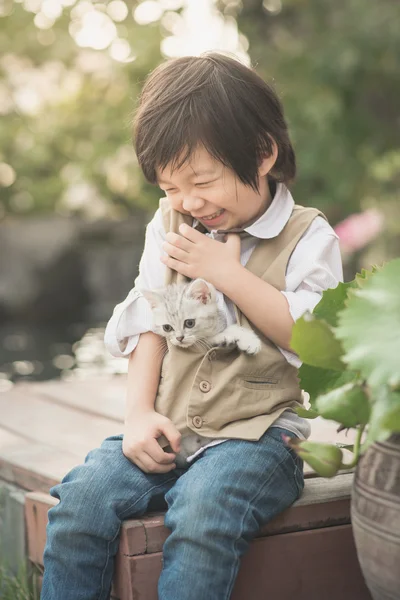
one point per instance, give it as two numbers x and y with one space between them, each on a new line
359 229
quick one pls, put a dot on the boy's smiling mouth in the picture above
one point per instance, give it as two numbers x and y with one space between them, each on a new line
213 218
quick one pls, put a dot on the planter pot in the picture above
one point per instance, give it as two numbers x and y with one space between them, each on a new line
375 514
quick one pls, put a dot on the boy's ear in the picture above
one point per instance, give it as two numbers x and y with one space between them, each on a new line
267 163
153 297
201 290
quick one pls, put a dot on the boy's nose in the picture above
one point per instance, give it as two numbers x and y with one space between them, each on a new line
192 204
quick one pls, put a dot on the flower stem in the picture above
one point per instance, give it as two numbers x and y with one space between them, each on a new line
356 450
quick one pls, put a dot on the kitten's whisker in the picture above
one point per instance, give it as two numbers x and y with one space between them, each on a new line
161 351
206 342
198 344
164 354
204 345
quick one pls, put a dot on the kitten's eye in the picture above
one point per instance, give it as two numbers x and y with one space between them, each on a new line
167 328
189 323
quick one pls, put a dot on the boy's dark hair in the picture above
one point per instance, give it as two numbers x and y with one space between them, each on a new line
216 101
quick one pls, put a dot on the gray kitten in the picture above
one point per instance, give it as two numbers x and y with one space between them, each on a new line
188 315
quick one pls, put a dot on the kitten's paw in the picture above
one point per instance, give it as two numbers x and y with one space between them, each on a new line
223 341
249 342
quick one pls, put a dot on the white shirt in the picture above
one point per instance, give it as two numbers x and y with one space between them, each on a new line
314 266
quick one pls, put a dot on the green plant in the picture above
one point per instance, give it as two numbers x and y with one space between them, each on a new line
350 348
21 586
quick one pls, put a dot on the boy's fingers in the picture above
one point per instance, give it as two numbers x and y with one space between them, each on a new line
172 435
179 241
175 252
190 234
155 451
233 244
151 466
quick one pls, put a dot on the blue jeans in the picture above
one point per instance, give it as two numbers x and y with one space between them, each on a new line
215 508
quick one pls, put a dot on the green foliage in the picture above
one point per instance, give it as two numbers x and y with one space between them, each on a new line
335 65
386 404
17 587
369 328
334 301
317 381
67 131
348 404
323 458
323 369
325 351
364 393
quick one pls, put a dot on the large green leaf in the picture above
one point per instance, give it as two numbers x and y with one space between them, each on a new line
381 422
391 419
369 327
364 275
333 301
348 405
317 381
314 342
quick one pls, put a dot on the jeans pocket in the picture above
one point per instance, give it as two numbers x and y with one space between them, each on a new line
298 464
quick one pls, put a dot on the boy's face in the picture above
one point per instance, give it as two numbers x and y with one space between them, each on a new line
212 193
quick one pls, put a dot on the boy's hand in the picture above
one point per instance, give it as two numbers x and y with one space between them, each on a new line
194 255
140 444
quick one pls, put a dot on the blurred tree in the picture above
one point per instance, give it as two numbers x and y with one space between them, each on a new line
71 70
336 67
65 132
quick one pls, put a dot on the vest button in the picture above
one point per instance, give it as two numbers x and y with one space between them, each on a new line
197 422
205 386
212 355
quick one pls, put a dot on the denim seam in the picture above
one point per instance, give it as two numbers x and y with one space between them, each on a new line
299 479
297 469
106 563
119 529
245 515
145 494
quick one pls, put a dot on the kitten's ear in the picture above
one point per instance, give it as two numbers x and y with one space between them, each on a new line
201 290
153 297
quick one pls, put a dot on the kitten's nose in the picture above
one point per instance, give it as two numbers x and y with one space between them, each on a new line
180 338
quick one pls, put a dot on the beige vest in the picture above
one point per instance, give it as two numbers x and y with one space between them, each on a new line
226 393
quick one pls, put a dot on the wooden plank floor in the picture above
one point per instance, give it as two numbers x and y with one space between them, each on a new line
46 428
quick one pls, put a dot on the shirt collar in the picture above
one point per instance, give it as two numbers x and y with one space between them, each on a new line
271 223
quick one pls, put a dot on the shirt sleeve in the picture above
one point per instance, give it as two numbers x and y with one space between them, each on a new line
315 266
133 316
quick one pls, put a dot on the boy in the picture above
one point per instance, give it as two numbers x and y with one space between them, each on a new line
212 135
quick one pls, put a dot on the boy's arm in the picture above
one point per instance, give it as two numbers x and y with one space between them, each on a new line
314 266
249 292
143 425
128 333
133 316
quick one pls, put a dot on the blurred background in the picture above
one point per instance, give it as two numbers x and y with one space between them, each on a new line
73 204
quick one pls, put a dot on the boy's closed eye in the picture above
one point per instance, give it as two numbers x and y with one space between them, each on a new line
203 183
198 184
